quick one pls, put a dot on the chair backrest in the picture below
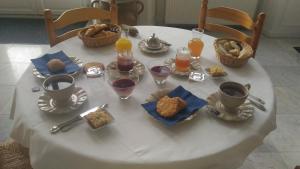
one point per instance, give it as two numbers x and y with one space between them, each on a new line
234 15
74 16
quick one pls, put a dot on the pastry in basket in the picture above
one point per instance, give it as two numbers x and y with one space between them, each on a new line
100 35
216 71
168 107
231 48
55 65
95 29
98 118
104 34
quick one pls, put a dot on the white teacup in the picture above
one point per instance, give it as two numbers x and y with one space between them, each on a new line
59 88
232 95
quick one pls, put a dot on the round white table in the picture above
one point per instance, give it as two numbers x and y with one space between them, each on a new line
135 140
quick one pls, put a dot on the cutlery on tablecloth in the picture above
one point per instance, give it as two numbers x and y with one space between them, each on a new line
257 99
65 126
257 104
261 101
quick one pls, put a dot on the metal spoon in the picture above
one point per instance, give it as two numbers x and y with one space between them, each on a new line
254 97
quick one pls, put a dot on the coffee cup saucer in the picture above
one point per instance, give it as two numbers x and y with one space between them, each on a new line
47 104
217 109
145 48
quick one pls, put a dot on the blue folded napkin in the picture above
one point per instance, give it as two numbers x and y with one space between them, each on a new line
193 104
41 63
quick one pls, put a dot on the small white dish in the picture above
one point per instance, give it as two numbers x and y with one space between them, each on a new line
216 108
77 61
145 48
47 104
207 72
109 119
94 69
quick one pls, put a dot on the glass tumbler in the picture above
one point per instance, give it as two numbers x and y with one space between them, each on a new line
123 82
196 44
182 61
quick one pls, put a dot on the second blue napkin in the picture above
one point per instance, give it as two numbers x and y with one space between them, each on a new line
193 104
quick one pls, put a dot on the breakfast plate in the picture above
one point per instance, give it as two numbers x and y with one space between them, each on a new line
47 104
77 61
216 108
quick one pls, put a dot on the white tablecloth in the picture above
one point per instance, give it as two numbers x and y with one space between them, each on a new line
135 140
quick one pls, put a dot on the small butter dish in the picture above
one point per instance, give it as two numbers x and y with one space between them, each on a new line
99 119
215 71
94 69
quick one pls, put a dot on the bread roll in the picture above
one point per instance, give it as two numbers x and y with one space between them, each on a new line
55 65
101 27
234 52
227 46
90 31
169 107
224 51
100 34
235 45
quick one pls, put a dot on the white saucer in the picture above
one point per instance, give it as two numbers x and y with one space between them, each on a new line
47 104
144 48
216 108
153 48
77 61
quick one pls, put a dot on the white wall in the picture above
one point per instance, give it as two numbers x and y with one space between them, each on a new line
31 8
187 11
282 17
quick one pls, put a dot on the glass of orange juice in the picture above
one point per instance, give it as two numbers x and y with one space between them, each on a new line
182 61
196 44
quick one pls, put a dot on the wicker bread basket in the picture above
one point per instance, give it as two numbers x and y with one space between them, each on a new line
232 61
100 41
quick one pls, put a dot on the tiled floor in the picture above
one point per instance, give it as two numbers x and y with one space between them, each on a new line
281 149
14 59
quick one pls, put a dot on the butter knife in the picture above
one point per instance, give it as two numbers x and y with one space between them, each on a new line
257 105
63 126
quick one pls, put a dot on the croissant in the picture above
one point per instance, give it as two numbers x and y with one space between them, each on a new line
168 107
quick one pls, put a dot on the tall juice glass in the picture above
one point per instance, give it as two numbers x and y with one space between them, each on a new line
196 44
182 61
125 57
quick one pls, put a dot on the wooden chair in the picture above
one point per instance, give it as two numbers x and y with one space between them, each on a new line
236 16
74 16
